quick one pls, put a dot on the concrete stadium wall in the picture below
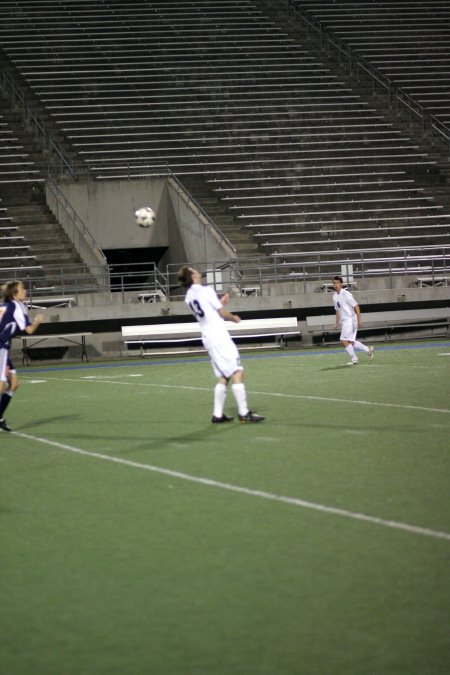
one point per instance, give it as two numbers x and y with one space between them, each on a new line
118 310
201 241
107 209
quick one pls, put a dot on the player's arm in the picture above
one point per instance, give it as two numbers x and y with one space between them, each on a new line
358 315
225 314
338 319
228 316
32 327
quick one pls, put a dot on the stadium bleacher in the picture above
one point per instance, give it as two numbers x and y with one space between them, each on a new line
220 91
32 243
407 43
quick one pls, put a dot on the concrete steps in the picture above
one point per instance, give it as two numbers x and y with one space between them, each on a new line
48 243
218 212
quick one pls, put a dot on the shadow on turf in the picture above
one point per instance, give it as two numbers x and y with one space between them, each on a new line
200 437
205 434
32 424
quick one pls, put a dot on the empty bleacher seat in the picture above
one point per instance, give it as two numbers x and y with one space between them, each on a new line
296 155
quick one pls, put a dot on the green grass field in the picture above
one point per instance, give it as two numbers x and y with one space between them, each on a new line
318 544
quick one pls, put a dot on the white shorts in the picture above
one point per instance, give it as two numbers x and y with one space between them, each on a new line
4 364
348 330
223 353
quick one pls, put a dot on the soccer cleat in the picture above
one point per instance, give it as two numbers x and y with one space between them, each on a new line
353 362
251 417
220 420
370 353
4 426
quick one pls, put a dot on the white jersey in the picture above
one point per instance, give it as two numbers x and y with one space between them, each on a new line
204 303
345 304
223 353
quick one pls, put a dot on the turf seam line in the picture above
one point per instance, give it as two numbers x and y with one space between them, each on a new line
293 501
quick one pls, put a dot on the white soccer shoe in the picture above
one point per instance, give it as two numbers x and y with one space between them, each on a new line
370 353
353 362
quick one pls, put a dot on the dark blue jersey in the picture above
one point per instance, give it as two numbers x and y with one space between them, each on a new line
15 317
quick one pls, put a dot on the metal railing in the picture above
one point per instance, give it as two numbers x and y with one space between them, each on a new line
56 155
201 214
83 241
126 282
357 64
441 128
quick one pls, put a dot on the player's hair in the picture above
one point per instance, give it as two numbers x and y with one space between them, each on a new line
337 278
185 276
10 289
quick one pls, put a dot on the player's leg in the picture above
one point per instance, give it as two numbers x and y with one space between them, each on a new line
220 396
348 336
13 384
361 347
227 366
5 397
349 348
229 361
13 378
240 394
220 390
239 390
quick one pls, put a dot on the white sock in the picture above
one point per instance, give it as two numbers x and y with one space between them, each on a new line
350 351
360 347
240 395
220 395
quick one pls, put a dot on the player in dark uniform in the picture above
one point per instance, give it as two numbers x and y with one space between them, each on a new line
13 317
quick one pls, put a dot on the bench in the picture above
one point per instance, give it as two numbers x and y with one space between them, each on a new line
387 322
151 296
432 281
29 342
46 303
246 291
172 333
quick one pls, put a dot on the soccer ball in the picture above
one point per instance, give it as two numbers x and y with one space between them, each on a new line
145 216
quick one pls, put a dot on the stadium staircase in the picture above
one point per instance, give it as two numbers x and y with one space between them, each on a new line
33 244
222 216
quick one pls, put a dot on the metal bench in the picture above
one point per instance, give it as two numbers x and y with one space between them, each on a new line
388 323
46 303
142 336
432 280
151 296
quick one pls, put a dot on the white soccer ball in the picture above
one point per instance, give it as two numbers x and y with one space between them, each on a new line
145 216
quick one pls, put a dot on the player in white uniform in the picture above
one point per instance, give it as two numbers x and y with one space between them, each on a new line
211 315
348 317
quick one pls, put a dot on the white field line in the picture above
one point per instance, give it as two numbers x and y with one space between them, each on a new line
292 501
303 397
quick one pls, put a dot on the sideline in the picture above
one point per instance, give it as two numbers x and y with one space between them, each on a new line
292 501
